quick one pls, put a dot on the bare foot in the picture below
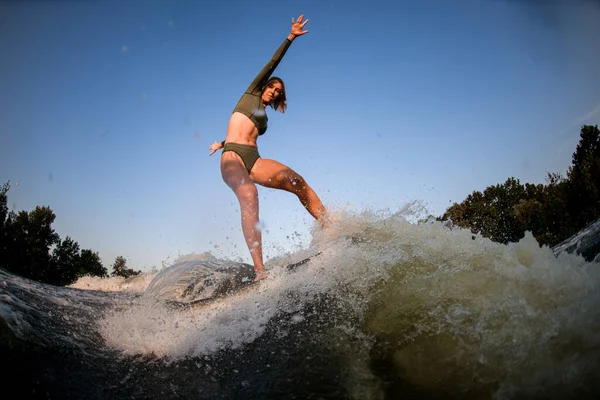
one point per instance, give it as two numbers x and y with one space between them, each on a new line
260 276
325 220
328 220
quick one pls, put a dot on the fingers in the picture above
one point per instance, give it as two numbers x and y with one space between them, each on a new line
213 148
299 21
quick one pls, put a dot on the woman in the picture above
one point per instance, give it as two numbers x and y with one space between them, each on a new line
241 165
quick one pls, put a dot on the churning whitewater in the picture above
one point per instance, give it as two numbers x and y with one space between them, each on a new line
387 308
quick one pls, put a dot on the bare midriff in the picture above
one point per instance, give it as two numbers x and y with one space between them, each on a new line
241 130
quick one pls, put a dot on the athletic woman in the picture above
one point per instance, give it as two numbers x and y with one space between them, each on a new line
241 165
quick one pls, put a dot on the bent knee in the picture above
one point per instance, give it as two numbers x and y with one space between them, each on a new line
290 181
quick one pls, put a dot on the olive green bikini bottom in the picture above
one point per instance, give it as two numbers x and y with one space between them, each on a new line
249 154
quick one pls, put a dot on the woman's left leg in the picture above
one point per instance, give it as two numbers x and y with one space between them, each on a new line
273 174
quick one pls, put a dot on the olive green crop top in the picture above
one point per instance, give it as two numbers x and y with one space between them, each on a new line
250 103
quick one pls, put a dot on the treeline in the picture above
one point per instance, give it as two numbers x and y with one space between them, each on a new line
552 212
29 247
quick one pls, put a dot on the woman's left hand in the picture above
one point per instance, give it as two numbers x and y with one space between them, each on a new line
298 27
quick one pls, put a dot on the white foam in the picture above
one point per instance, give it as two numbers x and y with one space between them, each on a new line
133 284
513 315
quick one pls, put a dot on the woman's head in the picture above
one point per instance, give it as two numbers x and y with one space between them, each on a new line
273 94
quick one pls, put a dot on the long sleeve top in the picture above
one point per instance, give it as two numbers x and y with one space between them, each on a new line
250 104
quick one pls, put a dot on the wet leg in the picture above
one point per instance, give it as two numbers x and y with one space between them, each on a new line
236 177
273 174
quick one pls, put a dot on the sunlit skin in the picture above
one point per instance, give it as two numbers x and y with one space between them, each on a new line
265 172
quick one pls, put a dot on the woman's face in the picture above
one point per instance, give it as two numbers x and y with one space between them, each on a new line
272 92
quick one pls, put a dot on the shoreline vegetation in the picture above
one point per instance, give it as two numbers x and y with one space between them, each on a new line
552 212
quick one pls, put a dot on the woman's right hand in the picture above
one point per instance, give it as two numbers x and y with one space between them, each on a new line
214 147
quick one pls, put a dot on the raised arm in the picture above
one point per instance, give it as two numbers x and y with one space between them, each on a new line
258 82
297 30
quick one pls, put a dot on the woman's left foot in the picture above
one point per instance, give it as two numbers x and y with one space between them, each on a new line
260 277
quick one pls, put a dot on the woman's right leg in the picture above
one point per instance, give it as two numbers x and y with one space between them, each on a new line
236 177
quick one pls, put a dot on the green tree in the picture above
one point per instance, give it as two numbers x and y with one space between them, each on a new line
89 263
584 178
120 268
492 213
70 264
33 237
556 221
65 260
26 240
5 239
552 212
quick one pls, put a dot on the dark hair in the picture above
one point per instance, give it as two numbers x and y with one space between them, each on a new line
279 104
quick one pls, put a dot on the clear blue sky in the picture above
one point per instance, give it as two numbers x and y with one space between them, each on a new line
108 109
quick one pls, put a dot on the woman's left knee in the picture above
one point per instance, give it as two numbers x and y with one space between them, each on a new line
297 184
289 181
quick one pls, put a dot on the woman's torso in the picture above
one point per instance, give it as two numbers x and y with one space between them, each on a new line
241 130
249 118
